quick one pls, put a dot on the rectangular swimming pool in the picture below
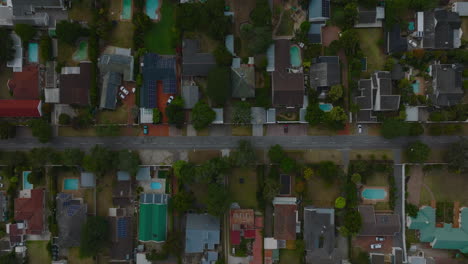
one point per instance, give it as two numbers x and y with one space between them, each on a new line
374 193
326 107
26 184
156 185
415 87
33 52
70 184
152 7
126 9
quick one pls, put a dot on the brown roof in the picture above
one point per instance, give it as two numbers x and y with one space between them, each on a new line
121 240
285 221
242 219
376 224
288 88
25 84
122 193
31 210
74 88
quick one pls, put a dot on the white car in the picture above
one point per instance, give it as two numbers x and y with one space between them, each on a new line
1 185
380 238
375 246
121 96
412 43
133 90
359 129
125 91
170 99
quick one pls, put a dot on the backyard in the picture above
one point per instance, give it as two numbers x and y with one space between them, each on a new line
445 190
286 26
65 54
319 193
160 39
122 35
370 39
37 252
243 187
81 10
289 256
104 194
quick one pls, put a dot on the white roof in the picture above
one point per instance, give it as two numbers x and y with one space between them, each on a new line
17 62
270 243
284 200
70 70
461 8
219 116
412 114
6 15
421 21
146 116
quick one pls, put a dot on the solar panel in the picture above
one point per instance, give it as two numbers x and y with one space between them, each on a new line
72 209
170 86
122 227
325 8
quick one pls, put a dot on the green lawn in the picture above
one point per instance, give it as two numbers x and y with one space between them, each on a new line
446 186
320 194
286 27
242 131
289 256
160 38
74 257
369 38
104 195
65 54
82 10
122 35
119 116
37 252
244 193
201 156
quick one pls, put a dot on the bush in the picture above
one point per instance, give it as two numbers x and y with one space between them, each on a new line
41 129
156 116
25 32
175 112
46 48
202 115
276 153
64 119
340 202
219 85
241 114
69 32
412 210
223 56
288 165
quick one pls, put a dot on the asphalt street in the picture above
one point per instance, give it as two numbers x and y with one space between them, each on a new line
226 142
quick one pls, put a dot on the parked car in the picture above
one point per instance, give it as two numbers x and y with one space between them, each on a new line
1 178
121 96
1 185
375 246
145 130
412 43
133 90
124 91
359 129
286 128
170 99
380 238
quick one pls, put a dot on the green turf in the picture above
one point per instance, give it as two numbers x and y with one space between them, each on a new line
160 38
244 193
152 222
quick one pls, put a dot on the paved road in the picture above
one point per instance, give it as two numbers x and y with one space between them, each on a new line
225 142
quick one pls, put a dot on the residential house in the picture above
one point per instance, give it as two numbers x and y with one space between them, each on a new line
143 174
271 250
41 13
153 217
461 8
286 223
20 108
24 85
29 215
242 79
370 17
17 62
378 224
195 62
159 72
121 230
75 83
287 81
450 236
447 84
319 13
51 83
71 215
393 41
324 74
438 29
191 95
319 235
202 234
87 180
115 68
376 96
242 225
122 191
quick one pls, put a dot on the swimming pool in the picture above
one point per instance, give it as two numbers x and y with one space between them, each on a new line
295 56
415 87
156 186
152 7
33 52
26 184
374 193
411 26
81 53
326 107
70 184
126 9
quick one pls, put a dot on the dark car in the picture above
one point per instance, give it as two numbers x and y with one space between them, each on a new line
145 130
286 128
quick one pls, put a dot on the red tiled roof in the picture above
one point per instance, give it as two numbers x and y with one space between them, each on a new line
31 210
242 219
235 237
249 234
20 108
25 84
257 247
285 222
16 234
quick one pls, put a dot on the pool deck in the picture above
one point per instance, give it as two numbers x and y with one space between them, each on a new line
374 201
146 185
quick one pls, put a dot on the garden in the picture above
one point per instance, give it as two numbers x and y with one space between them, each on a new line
161 36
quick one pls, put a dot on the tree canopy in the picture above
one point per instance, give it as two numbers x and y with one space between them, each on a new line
418 152
73 157
241 114
457 156
335 93
25 31
352 222
182 201
328 171
69 32
276 153
175 112
7 51
257 39
100 161
219 85
217 200
202 115
244 155
288 165
129 161
45 48
340 202
41 129
223 56
7 130
94 236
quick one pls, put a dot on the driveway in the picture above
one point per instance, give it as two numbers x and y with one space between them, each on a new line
257 130
329 34
293 130
415 184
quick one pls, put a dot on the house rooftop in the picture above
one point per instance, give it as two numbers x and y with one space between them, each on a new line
448 84
25 84
153 217
75 83
202 232
243 80
157 68
31 210
377 224
20 108
121 235
71 216
285 219
194 62
326 72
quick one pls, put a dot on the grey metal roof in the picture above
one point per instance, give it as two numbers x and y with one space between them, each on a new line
367 16
195 63
229 42
374 224
377 259
110 85
123 176
444 33
397 72
143 174
117 63
243 81
319 9
448 84
71 215
191 95
315 33
154 198
271 115
325 73
25 7
88 179
394 42
202 231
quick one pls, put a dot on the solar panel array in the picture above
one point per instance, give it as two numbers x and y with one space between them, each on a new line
169 86
72 209
326 8
122 227
152 92
158 68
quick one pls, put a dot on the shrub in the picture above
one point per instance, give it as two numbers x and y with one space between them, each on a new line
202 115
276 153
25 32
340 202
46 48
156 116
64 119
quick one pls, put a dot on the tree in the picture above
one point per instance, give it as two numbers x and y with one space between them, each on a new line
129 161
219 85
64 119
351 14
41 129
99 161
336 92
244 155
182 201
7 130
352 222
175 112
217 201
25 31
223 56
39 157
288 165
340 202
69 32
412 210
9 258
36 176
336 118
202 115
276 153
177 167
261 14
156 116
73 157
7 51
94 236
308 173
241 114
271 189
349 41
257 39
314 115
356 178
418 152
328 171
457 156
45 48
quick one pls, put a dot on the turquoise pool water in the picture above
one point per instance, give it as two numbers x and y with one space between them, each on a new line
415 87
295 56
33 52
156 186
411 26
326 107
70 184
151 7
374 193
81 53
127 9
26 184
